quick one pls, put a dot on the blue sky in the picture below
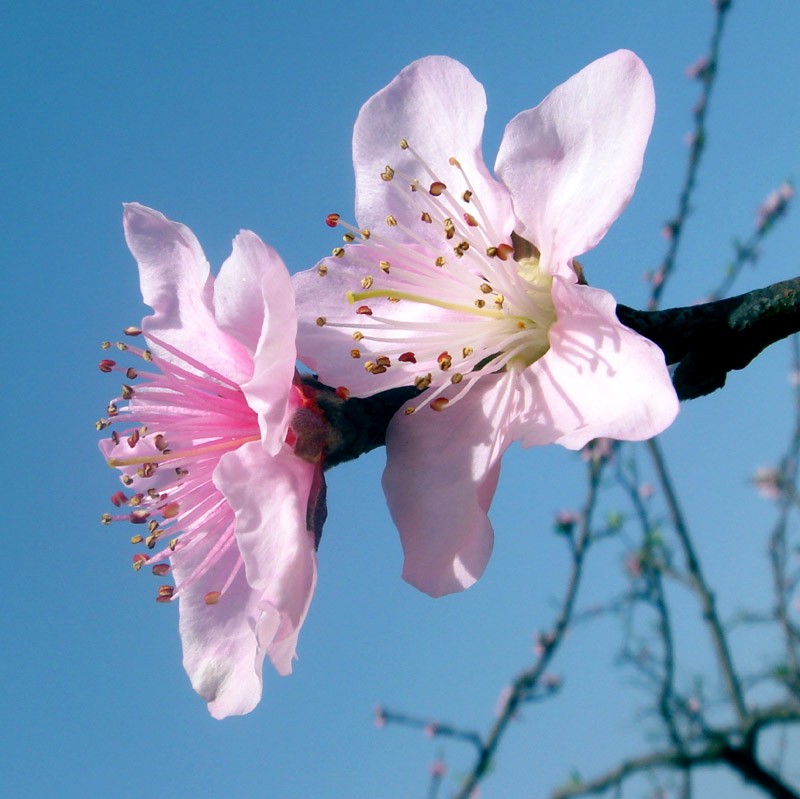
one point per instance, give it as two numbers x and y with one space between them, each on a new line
239 115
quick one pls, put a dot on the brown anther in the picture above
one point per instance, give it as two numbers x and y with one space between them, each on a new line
453 161
403 144
348 237
321 321
440 261
391 221
338 252
132 330
422 382
133 439
147 356
322 270
440 403
152 525
160 442
136 500
387 173
139 516
408 357
343 393
445 361
466 196
106 365
437 188
150 541
101 424
114 437
212 597
121 346
457 378
365 234
366 282
414 186
504 251
383 360
139 560
464 245
136 539
131 373
172 544
485 288
491 252
147 469
449 228
385 266
355 353
467 351
160 569
127 479
104 345
409 411
111 409
470 220
106 518
171 511
364 309
165 593
119 499
181 472
332 220
426 217
127 392
480 303
358 335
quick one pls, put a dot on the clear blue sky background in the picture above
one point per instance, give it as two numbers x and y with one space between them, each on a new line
239 115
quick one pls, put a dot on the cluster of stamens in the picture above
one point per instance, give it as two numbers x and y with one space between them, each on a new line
186 417
503 307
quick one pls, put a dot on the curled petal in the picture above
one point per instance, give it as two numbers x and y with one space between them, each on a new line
572 162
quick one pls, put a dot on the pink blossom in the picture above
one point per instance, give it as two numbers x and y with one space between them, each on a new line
498 329
206 460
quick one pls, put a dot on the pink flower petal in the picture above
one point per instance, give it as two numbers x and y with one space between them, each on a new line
572 162
254 304
269 497
599 379
441 474
438 107
177 284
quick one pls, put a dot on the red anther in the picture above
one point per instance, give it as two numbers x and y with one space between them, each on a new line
160 569
470 220
212 597
171 511
133 439
437 187
426 217
139 561
132 330
120 498
147 469
364 309
139 516
407 357
160 442
503 251
439 403
343 393
106 365
332 220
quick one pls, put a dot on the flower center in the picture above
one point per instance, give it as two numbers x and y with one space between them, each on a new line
458 294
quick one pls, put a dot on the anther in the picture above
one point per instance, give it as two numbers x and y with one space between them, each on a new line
181 472
104 345
470 220
106 518
355 353
407 357
165 593
111 409
491 252
426 217
160 569
132 330
454 162
485 288
449 228
348 238
321 321
172 544
139 560
322 270
106 365
445 361
131 373
440 403
127 479
366 282
147 469
343 393
332 220
499 300
403 144
139 516
152 525
136 500
364 309
127 392
212 597
437 188
467 351
338 252
385 266
457 378
466 196
480 303
147 356
160 442
409 411
358 335
504 251
102 424
115 437
383 360
365 234
150 541
391 221
440 261
387 173
171 511
136 539
119 499
122 346
422 382
133 439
